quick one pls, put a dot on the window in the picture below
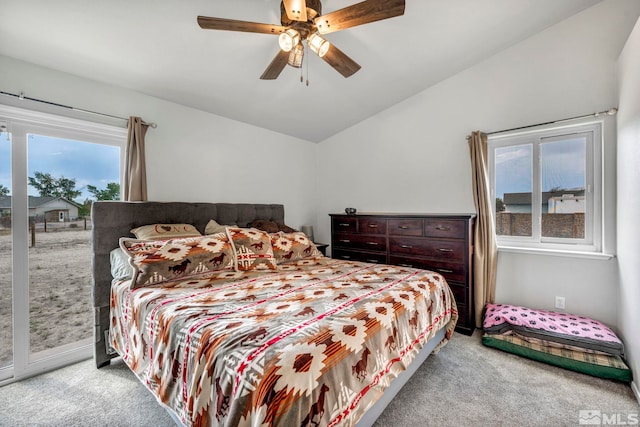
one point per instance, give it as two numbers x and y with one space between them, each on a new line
547 188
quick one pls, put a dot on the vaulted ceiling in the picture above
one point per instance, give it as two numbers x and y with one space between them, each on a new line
156 47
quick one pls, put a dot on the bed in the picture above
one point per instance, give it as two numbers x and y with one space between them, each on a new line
300 340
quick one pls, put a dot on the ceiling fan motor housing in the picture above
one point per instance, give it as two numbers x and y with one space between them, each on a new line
314 9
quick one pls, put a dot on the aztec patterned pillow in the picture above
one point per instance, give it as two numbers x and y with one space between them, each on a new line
252 249
292 246
165 231
159 261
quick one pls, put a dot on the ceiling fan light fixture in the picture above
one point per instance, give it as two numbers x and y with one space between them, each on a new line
318 45
296 55
288 39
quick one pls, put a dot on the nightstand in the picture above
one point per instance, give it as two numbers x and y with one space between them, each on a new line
322 247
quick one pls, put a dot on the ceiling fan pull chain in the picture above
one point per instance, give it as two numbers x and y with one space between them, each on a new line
307 71
302 65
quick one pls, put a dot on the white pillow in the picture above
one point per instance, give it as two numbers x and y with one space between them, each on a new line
120 267
214 228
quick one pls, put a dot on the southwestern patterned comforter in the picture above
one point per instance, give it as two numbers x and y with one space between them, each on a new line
314 342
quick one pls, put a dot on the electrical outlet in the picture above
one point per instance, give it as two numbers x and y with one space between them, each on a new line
560 302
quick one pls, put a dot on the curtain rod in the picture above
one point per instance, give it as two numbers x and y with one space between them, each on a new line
609 112
82 110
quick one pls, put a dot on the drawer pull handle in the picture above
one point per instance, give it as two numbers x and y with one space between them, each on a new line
445 250
345 240
406 265
345 257
375 261
373 225
344 224
406 246
443 228
404 227
372 243
444 270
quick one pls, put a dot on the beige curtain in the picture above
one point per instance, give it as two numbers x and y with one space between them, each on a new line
485 255
135 176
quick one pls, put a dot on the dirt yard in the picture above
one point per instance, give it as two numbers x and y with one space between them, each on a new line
59 290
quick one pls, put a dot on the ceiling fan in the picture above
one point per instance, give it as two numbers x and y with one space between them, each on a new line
303 21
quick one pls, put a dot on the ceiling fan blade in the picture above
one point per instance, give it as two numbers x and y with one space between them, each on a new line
277 65
209 23
296 9
340 61
358 14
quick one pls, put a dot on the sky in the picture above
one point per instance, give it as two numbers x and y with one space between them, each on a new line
87 163
563 166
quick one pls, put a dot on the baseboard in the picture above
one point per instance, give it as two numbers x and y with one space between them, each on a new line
636 391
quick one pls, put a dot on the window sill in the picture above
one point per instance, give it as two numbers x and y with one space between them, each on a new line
556 252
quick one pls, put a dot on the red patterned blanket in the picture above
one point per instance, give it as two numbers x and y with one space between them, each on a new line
314 343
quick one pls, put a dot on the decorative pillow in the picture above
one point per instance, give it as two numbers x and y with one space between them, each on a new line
213 227
159 261
164 231
252 249
292 246
270 226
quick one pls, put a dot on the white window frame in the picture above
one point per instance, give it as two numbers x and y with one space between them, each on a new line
21 123
593 241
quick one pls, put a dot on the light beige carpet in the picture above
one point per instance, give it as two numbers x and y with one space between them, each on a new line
465 384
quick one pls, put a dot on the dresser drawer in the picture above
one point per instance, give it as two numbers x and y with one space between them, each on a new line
432 248
344 224
376 258
360 241
450 270
372 226
405 227
450 228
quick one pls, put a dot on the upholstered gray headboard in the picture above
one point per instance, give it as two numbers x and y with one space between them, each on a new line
111 220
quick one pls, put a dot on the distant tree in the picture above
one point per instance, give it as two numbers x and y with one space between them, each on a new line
67 188
47 185
4 191
500 206
112 192
85 209
44 183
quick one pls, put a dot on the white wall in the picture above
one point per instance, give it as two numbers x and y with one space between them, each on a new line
414 156
629 200
191 155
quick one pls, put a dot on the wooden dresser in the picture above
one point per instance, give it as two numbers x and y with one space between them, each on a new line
439 242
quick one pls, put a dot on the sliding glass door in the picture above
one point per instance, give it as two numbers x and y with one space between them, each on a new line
58 167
